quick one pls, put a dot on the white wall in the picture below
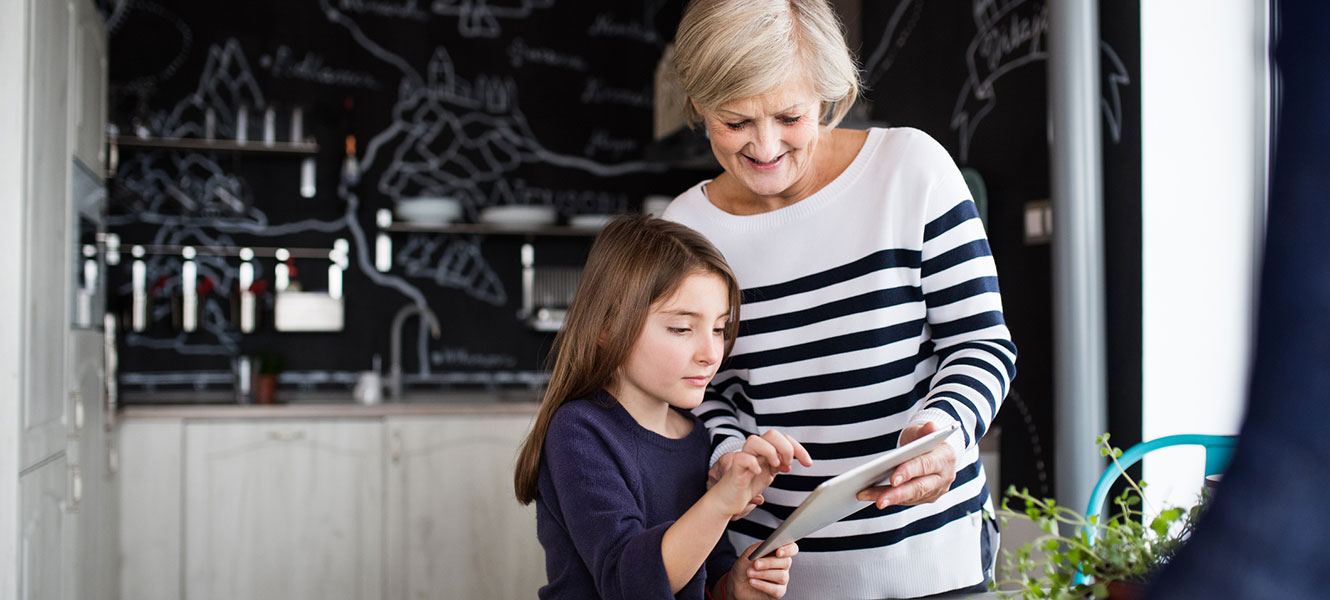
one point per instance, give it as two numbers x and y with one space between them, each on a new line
1204 89
13 72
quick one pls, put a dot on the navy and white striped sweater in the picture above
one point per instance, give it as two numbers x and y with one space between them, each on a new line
868 306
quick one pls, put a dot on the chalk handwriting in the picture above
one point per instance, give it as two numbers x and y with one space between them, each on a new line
894 37
283 64
480 18
519 54
566 202
410 9
1008 37
597 91
452 356
605 26
601 142
1115 76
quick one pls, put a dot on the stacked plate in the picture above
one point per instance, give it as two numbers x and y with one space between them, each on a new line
592 222
518 216
428 210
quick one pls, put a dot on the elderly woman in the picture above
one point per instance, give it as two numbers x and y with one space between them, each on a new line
871 310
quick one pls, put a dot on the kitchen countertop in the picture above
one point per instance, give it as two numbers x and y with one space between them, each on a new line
302 405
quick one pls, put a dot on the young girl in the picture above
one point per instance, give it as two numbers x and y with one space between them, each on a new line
615 463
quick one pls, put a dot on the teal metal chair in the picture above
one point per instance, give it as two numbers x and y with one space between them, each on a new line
1218 453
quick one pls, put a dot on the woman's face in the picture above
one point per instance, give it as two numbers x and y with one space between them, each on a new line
766 142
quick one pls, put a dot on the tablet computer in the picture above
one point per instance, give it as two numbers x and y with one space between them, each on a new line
837 498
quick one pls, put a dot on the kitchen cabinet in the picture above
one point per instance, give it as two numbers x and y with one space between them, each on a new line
283 509
56 520
44 532
44 404
455 528
402 505
92 462
150 512
87 80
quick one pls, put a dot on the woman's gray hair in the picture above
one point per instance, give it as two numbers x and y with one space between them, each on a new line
731 49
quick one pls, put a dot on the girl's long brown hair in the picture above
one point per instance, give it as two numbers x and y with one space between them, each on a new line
635 262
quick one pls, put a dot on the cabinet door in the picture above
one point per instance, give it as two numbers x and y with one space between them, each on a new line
284 510
150 517
90 458
455 528
44 543
88 88
44 285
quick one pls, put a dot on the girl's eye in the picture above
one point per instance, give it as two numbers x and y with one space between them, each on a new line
736 126
718 331
791 120
678 330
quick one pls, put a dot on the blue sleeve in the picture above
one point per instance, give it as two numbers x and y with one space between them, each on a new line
603 515
720 561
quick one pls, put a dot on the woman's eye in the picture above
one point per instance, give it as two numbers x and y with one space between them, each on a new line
736 126
791 120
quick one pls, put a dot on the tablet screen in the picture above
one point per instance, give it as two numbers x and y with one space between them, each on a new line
837 498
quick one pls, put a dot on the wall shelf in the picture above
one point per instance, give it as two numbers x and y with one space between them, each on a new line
467 228
198 144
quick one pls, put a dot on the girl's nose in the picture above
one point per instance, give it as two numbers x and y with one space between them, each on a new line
710 351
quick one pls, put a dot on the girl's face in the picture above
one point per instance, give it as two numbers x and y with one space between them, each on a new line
680 346
766 142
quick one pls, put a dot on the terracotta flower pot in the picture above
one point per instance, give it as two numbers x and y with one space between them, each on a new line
266 391
1126 590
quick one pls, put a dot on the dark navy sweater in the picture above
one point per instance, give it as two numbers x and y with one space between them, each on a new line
609 489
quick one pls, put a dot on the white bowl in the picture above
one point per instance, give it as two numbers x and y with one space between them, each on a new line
518 216
428 210
593 222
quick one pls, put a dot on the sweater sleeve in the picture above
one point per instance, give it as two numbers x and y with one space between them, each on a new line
720 561
976 357
602 514
722 417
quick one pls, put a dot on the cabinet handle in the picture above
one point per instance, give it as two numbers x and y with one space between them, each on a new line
395 447
112 458
286 436
76 488
77 398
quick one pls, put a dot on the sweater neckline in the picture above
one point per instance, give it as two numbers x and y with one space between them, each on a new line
620 414
803 208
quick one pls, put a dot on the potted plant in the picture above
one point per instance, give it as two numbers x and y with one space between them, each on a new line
1125 553
270 366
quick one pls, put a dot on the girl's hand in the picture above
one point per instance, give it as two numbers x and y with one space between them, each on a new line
762 579
743 479
773 447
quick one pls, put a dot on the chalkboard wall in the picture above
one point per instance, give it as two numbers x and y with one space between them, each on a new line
544 102
494 103
974 76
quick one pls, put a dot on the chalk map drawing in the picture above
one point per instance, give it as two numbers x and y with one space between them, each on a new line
447 136
1008 34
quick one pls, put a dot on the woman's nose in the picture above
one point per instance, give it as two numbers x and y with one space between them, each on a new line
766 143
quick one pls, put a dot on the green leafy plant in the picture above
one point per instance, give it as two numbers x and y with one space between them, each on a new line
1125 548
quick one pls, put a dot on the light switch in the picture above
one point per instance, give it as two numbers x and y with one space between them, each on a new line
1038 222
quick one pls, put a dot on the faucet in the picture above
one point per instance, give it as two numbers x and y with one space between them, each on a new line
395 370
